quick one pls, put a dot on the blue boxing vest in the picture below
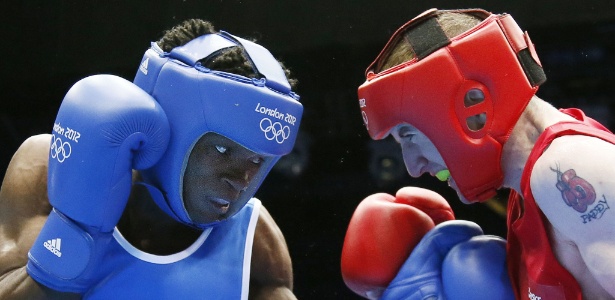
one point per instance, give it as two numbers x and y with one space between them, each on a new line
215 266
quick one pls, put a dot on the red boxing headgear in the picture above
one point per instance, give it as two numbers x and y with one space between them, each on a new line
436 92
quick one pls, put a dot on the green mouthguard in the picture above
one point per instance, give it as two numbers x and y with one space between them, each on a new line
443 175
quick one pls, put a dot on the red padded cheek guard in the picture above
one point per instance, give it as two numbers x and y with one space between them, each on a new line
429 94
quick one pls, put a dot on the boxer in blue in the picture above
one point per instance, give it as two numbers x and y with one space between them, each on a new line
144 189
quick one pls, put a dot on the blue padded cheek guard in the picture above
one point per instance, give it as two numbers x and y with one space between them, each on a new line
260 114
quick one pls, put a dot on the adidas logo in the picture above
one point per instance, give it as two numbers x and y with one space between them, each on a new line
54 246
143 66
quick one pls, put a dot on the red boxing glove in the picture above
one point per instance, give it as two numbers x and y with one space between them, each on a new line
382 233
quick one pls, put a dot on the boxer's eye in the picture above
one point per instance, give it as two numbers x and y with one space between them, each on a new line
221 149
406 134
257 160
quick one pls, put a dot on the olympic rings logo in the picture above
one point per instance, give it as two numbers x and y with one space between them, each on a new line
60 150
275 130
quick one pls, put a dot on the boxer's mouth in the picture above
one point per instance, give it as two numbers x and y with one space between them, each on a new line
221 205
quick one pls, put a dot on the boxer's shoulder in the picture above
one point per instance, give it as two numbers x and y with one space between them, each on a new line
35 147
574 156
578 149
571 184
23 201
271 262
24 187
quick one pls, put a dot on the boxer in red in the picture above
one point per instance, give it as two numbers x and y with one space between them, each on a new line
457 90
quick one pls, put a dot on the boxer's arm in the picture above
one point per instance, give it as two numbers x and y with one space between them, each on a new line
23 211
574 185
271 275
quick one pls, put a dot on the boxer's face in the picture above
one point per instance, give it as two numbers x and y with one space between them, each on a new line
420 154
218 172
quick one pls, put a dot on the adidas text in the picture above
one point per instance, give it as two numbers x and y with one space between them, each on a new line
53 246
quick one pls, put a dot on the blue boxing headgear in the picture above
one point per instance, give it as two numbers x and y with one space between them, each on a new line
261 114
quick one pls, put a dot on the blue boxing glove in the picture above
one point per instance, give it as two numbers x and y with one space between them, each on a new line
106 127
476 269
420 277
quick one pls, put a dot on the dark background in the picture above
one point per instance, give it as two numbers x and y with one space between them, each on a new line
49 45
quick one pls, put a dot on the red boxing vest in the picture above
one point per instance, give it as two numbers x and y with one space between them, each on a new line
534 271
